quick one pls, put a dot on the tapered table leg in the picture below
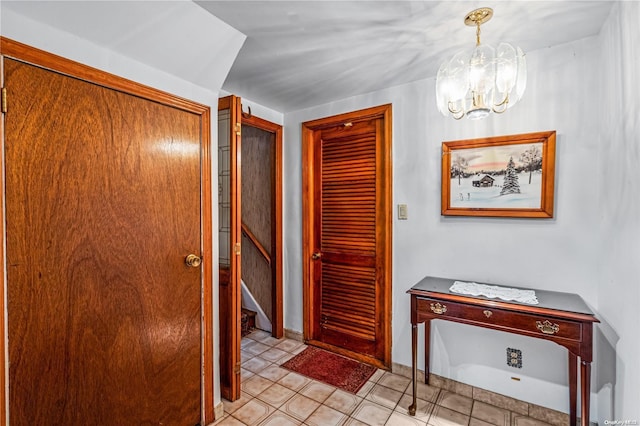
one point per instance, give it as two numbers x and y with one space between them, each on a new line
427 349
573 388
414 367
585 391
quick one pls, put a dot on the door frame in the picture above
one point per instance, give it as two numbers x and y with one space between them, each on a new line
277 324
24 53
310 140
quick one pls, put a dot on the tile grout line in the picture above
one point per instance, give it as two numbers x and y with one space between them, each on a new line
379 375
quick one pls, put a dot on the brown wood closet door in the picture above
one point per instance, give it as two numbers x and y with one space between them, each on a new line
102 207
230 260
350 239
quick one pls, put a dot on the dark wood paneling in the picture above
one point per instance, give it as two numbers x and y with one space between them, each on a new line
257 183
258 149
257 276
277 320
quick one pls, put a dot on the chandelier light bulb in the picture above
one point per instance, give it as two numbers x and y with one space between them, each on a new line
485 80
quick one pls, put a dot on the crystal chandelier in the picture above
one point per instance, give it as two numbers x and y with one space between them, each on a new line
486 80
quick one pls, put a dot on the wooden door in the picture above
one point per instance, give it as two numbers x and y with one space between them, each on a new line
102 207
230 236
347 233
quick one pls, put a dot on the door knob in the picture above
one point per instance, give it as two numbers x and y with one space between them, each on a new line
193 260
316 256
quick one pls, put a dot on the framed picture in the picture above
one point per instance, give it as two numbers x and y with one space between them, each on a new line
505 176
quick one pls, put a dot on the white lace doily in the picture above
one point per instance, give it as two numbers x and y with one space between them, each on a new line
494 291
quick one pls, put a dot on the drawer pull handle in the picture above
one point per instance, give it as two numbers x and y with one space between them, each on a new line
487 313
438 308
547 327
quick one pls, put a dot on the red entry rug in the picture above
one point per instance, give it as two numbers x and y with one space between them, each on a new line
335 370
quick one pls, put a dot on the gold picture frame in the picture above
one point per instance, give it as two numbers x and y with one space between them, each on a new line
503 176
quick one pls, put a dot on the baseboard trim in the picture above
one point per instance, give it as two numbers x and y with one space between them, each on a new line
293 335
523 408
218 411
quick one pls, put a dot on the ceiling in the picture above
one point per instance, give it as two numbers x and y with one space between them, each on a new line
304 53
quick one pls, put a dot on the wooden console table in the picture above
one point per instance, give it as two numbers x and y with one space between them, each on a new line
563 318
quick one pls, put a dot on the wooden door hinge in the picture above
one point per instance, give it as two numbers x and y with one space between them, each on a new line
4 100
238 129
236 369
237 250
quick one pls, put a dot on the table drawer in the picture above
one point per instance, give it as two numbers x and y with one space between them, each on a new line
502 319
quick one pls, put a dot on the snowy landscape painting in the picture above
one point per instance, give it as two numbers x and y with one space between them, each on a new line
502 176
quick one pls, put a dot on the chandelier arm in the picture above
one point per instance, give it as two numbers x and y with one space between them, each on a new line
457 114
454 111
499 111
504 102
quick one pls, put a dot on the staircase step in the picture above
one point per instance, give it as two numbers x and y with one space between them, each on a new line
248 320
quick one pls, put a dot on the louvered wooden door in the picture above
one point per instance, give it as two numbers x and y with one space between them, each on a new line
350 238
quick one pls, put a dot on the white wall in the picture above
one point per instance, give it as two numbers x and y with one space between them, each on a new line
618 160
560 254
222 42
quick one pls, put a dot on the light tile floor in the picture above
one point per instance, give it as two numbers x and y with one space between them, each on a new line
274 396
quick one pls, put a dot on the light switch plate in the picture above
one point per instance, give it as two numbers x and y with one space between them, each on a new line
403 213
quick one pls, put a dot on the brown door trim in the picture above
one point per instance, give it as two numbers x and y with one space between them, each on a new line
277 325
310 193
24 53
